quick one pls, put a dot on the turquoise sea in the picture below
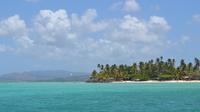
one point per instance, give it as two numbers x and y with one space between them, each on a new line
84 97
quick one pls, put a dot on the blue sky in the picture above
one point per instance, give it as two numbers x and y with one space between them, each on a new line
76 35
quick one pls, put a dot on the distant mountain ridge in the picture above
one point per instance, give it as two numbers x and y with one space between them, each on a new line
44 76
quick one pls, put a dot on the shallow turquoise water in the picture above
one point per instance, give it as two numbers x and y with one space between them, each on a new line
84 97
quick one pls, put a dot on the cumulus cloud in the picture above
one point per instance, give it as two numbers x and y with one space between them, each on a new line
127 5
87 22
59 35
158 24
51 26
131 6
131 29
14 27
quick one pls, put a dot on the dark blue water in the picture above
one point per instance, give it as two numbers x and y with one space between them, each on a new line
83 97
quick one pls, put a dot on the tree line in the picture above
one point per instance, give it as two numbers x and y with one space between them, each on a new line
158 69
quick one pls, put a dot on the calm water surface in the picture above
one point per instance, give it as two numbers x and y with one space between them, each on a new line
84 97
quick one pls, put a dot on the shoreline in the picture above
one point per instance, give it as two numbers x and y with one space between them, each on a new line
154 81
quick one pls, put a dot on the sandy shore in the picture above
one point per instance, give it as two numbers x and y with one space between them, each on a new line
154 81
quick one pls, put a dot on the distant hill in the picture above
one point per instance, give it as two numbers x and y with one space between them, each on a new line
44 76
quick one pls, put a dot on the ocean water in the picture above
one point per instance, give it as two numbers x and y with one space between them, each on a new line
84 97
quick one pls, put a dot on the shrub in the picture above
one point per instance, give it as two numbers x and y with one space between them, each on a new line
166 77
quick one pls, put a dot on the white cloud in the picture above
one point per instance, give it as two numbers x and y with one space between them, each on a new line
131 6
12 25
87 22
52 26
196 18
126 5
15 28
73 37
133 30
158 24
133 24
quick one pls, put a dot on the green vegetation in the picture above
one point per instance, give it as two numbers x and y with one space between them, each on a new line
152 70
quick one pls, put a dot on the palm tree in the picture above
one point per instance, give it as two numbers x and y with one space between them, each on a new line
154 70
102 67
161 58
173 61
197 64
99 66
141 67
182 65
189 70
94 74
